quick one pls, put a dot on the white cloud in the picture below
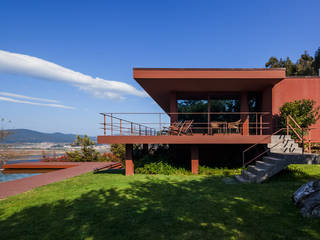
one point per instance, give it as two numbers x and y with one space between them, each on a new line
7 94
35 67
54 105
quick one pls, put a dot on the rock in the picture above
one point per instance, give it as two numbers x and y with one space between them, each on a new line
307 197
305 190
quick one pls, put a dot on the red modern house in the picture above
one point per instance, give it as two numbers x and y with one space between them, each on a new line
259 93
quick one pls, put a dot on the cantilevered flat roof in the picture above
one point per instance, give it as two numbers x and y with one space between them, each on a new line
160 82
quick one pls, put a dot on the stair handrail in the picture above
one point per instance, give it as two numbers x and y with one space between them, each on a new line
244 163
288 126
289 117
302 136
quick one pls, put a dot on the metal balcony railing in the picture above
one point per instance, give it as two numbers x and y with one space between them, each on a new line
209 123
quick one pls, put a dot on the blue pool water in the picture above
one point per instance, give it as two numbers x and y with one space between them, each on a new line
14 176
5 177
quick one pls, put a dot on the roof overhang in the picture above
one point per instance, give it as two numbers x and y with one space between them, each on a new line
160 82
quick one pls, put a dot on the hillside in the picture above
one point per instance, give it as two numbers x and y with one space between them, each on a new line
30 136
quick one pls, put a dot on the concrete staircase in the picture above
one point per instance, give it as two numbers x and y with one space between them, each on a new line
273 163
283 144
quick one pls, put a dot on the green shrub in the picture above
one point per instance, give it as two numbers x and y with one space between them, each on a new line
87 152
304 112
203 170
159 160
119 150
161 168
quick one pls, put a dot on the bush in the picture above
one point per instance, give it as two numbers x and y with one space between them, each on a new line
87 154
159 160
77 156
109 157
203 170
304 112
118 150
63 158
161 168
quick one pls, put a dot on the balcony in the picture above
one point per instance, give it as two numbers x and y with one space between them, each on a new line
205 128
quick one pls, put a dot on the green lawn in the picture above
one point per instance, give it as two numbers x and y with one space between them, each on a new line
112 206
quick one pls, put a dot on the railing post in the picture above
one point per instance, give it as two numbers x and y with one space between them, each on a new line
302 140
131 128
256 123
287 125
120 127
104 124
139 130
111 124
261 124
160 122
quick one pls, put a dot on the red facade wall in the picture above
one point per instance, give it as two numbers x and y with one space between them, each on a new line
294 88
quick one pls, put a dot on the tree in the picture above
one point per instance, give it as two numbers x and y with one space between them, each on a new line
304 112
316 62
4 153
83 142
119 150
290 67
273 62
87 153
305 65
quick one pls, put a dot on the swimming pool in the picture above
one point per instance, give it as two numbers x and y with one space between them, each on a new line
6 177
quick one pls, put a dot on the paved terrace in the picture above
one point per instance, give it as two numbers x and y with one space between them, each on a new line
68 170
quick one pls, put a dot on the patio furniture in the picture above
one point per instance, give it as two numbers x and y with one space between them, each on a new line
173 129
185 129
235 126
219 126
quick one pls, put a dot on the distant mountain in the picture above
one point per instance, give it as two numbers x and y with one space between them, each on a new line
30 136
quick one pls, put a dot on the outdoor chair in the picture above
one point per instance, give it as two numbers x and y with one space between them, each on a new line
186 129
173 129
219 126
235 126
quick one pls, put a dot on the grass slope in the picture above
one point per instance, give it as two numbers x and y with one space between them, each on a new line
112 206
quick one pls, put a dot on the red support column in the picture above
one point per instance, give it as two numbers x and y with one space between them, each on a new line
244 107
194 159
129 160
173 106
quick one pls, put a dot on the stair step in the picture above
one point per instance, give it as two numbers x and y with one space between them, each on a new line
241 179
272 164
264 165
248 175
286 150
282 145
257 171
280 137
272 160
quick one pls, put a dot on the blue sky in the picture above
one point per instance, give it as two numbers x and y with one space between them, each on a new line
106 39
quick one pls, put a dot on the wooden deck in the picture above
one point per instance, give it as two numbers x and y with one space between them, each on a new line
193 139
66 171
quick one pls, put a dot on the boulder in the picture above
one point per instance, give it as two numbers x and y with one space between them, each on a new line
307 198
